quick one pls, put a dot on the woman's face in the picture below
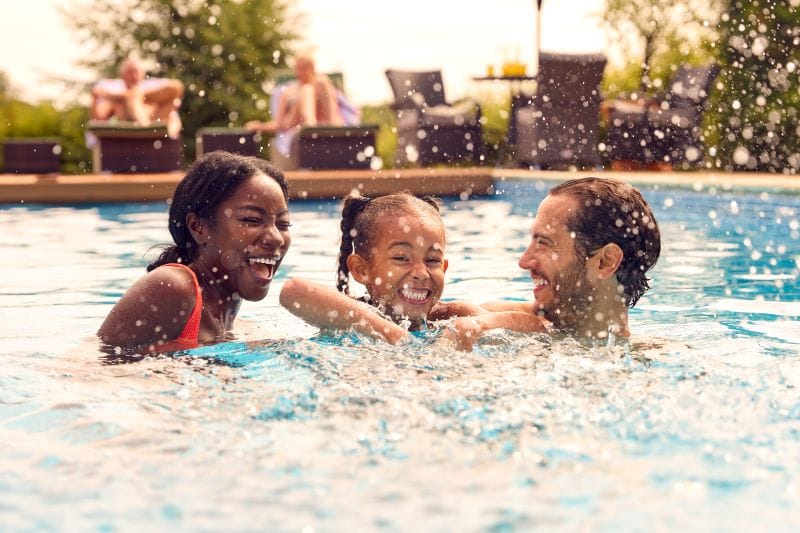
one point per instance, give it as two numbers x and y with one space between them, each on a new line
248 239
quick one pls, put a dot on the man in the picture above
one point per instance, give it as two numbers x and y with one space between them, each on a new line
135 99
592 243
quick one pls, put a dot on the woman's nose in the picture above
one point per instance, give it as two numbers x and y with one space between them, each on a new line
272 236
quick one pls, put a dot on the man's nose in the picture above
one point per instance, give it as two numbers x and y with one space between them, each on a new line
527 258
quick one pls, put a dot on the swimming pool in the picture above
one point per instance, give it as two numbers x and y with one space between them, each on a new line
305 432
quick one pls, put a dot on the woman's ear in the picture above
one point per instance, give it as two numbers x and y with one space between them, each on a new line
198 227
358 268
608 258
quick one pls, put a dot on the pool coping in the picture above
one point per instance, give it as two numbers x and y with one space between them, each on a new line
320 184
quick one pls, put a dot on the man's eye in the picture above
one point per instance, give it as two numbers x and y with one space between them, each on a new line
434 260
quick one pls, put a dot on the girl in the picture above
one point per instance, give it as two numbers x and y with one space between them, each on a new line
230 225
394 245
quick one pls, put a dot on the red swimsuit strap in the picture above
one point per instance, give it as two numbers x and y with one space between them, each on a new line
192 328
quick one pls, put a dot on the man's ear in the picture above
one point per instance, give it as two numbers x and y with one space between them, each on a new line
198 228
358 268
608 258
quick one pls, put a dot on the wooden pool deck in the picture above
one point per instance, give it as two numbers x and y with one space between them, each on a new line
305 184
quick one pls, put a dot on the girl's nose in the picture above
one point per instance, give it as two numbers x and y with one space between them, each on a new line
420 270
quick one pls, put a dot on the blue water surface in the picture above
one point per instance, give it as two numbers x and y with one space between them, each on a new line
694 426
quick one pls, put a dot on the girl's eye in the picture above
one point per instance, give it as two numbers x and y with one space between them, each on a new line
399 258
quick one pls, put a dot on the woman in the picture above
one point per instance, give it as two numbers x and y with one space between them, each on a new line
230 224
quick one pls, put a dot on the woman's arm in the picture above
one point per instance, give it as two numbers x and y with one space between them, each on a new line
467 330
152 312
326 307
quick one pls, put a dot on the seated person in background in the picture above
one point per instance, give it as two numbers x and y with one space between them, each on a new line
311 100
136 99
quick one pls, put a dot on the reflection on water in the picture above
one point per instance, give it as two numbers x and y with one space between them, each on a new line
288 429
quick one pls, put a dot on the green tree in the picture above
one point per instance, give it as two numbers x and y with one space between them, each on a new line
657 34
222 50
755 120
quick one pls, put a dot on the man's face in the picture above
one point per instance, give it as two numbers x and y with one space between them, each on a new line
131 73
561 288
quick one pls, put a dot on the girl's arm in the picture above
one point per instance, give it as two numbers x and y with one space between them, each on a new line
467 330
326 307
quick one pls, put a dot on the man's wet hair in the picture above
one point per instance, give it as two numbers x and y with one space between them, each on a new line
611 211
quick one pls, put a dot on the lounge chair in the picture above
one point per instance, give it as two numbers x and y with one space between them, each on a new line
126 147
429 129
558 125
663 130
31 155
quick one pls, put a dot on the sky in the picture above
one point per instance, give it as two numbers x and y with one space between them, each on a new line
360 38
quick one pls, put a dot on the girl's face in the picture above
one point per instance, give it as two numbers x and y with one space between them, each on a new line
404 273
245 244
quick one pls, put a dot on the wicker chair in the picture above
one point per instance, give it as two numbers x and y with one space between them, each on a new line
558 125
429 129
663 130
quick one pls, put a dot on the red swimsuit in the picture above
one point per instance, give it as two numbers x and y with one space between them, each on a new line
188 337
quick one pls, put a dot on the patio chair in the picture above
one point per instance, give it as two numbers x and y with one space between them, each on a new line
558 125
429 129
666 129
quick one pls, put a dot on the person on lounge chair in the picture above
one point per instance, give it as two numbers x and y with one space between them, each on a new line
311 100
136 99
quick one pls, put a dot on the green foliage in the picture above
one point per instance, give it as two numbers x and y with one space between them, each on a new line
221 50
755 118
668 33
386 141
20 119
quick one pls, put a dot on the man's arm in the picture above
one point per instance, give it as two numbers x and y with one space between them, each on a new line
467 330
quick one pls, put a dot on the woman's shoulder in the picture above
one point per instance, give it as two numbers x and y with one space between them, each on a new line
172 279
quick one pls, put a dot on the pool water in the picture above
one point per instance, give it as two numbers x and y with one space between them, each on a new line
292 430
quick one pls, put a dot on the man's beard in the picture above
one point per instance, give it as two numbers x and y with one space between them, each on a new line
572 302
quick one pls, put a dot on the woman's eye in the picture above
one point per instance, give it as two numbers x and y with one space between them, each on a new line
284 226
251 220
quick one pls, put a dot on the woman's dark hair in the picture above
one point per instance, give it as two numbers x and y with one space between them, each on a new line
361 222
211 180
611 211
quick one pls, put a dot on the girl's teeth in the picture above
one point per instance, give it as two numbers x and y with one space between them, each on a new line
414 295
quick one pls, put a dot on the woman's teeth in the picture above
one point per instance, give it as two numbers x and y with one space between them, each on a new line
264 260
